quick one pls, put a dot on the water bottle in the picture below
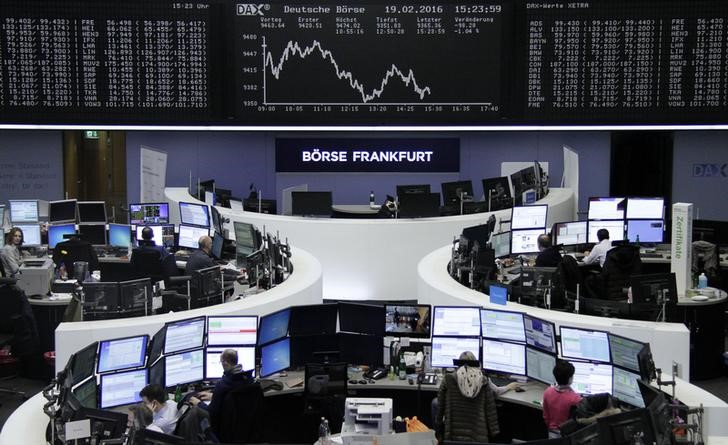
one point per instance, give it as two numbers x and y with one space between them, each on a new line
324 432
371 198
702 281
402 368
178 394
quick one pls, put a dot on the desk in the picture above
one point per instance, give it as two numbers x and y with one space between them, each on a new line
354 211
48 312
706 321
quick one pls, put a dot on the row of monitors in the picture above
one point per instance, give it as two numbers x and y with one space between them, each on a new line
610 208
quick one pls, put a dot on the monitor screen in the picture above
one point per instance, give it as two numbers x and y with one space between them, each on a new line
592 378
615 229
184 367
540 333
497 189
625 351
232 330
184 334
122 388
194 214
404 320
189 236
502 325
57 231
606 208
419 205
584 344
523 180
529 217
653 288
456 321
540 366
122 353
156 373
84 363
162 235
273 326
361 349
625 387
452 191
447 349
525 241
311 203
501 244
313 319
648 230
275 357
498 294
62 211
645 208
120 235
90 212
412 189
31 234
570 233
501 356
149 213
156 346
25 210
365 318
244 238
213 367
93 233
86 393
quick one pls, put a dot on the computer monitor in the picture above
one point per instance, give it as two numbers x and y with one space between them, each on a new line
361 349
206 287
104 423
364 318
56 233
588 435
606 208
628 427
232 330
147 437
149 213
93 233
592 378
156 345
625 387
83 363
311 203
273 326
570 233
101 300
323 348
653 288
648 372
184 334
222 197
260 206
661 412
412 189
192 214
31 233
91 212
122 388
314 319
525 241
184 367
522 181
584 344
447 349
457 321
615 229
275 357
122 353
217 220
86 393
189 236
529 217
497 189
645 208
407 320
202 187
119 235
135 297
645 230
245 239
217 243
624 351
540 365
162 235
23 210
213 367
156 372
62 211
502 325
504 357
452 191
501 244
536 281
540 333
419 205
479 233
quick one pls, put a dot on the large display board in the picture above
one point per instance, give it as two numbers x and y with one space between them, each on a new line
219 62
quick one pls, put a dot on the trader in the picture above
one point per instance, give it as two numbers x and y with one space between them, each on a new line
549 255
599 252
201 259
10 255
147 243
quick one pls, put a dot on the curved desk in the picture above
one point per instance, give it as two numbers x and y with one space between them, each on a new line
371 259
706 322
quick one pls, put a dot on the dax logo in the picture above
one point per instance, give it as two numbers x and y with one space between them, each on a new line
252 9
710 170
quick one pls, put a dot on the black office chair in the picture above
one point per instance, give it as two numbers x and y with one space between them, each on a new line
568 277
16 330
324 392
615 279
68 252
241 416
147 263
176 297
706 260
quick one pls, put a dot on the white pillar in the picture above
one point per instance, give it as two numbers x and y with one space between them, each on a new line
682 242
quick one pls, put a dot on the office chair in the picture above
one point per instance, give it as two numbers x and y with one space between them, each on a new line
324 392
68 252
147 263
10 323
706 260
176 297
568 276
615 279
241 415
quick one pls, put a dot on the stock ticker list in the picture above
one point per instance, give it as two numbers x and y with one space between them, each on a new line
622 59
115 60
372 63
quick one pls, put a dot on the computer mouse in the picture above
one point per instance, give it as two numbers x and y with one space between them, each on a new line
362 382
519 389
353 382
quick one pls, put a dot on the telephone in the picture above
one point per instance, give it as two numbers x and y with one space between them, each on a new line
427 379
376 373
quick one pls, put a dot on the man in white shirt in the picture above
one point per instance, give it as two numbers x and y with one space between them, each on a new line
164 412
599 252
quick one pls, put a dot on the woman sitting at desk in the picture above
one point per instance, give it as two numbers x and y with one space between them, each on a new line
10 255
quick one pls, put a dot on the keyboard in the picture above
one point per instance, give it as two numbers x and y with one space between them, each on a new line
499 380
33 263
650 255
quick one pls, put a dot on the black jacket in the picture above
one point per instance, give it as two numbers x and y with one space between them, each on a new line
549 257
198 260
229 381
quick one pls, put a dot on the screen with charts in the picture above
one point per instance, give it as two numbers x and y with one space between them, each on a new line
645 230
56 233
615 229
447 349
122 353
23 211
529 217
184 334
625 387
606 208
122 388
149 213
456 321
185 367
501 244
645 208
583 344
540 365
501 356
194 214
189 236
232 330
162 235
213 367
525 241
275 357
31 234
540 333
624 351
502 325
592 378
570 233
